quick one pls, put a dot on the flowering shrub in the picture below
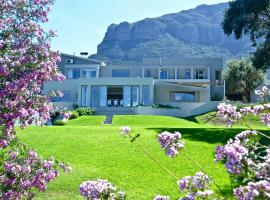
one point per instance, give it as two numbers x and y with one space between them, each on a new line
246 157
197 186
99 190
26 63
171 143
23 170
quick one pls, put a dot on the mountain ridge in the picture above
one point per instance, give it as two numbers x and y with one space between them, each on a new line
195 32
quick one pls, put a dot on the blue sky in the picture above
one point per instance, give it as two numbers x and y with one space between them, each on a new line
81 24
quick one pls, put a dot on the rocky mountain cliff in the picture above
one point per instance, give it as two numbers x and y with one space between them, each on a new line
191 33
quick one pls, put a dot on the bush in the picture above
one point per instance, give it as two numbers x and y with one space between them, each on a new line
74 115
59 123
84 111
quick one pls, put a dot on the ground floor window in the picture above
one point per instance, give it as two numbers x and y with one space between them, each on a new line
184 96
115 96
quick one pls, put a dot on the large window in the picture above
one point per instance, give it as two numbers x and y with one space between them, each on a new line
131 96
84 96
187 74
184 96
146 95
73 73
89 73
201 74
120 73
164 74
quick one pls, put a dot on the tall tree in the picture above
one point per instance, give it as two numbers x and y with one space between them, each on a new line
242 77
251 17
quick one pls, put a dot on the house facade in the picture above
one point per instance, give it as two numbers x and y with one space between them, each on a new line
167 81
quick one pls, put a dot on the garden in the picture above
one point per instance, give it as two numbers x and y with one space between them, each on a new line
219 155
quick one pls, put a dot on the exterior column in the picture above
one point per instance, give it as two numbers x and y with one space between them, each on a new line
175 73
208 73
143 72
97 74
141 94
89 95
159 70
192 73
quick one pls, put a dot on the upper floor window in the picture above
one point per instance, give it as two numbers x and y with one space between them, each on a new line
164 74
120 73
73 73
69 61
187 74
218 77
200 74
148 73
89 73
184 96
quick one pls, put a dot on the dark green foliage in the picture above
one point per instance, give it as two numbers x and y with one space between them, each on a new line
251 17
59 123
84 111
74 115
242 78
54 115
164 106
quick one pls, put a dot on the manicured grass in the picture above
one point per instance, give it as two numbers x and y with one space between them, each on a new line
86 121
98 151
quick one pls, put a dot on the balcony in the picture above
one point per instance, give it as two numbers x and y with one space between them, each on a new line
179 74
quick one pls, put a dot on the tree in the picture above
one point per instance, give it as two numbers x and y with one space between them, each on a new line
242 77
26 62
251 17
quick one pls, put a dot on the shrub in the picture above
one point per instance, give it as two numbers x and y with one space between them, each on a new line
84 111
74 115
59 123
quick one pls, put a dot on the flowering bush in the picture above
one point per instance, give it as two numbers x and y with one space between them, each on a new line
197 186
246 157
171 143
24 170
26 63
99 190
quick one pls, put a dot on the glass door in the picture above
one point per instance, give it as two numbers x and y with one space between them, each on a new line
127 96
103 96
84 96
135 95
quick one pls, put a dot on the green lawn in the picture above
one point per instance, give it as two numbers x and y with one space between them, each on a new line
98 151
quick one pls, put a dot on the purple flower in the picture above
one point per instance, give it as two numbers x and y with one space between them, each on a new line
94 190
160 197
125 130
171 143
228 113
253 190
266 119
195 186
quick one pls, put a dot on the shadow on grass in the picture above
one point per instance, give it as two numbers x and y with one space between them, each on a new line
209 135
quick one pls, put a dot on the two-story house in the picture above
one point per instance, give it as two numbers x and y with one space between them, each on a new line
167 81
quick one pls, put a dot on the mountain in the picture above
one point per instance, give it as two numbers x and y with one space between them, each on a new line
191 33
